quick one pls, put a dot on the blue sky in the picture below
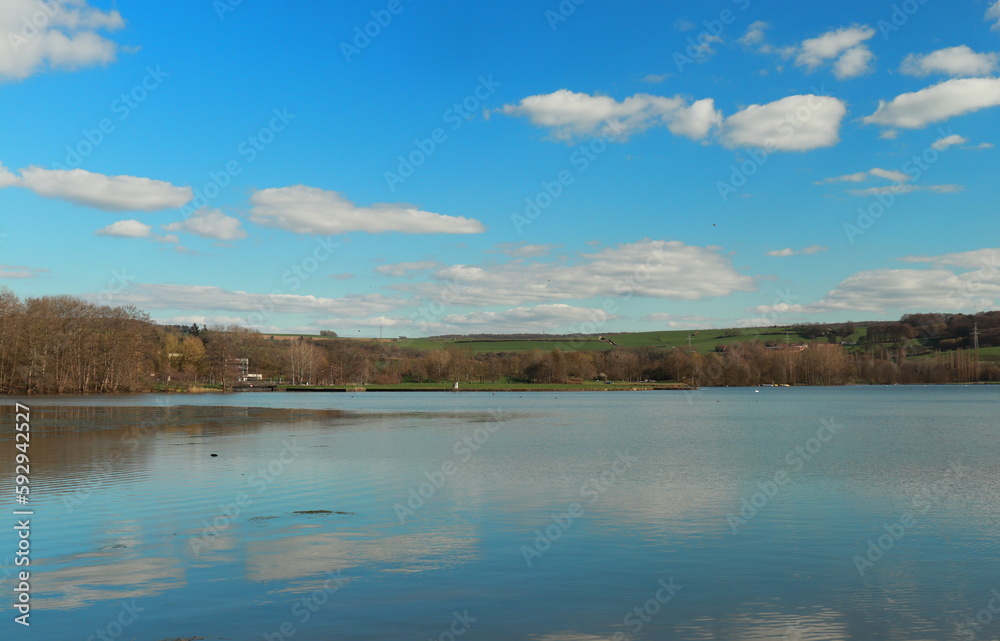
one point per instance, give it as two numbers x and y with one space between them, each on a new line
524 166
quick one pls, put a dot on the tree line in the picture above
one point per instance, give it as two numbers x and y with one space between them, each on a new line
62 344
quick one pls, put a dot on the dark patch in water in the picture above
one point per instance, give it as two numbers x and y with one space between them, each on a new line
321 512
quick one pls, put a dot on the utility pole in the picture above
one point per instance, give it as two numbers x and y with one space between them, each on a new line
975 337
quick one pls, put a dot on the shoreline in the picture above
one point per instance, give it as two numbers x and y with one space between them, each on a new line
642 387
634 388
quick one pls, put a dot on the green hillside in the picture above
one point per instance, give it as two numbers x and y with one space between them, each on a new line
704 340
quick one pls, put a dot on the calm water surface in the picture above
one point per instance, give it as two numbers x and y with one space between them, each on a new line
550 517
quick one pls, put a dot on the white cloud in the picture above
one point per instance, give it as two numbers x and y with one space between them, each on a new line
843 46
897 178
309 210
855 62
682 321
889 134
385 322
210 223
655 78
571 115
755 36
986 259
951 61
939 102
205 297
126 229
648 268
519 250
856 177
16 272
110 193
54 34
205 321
899 189
7 177
883 290
806 251
552 317
948 141
993 13
402 269
794 123
890 174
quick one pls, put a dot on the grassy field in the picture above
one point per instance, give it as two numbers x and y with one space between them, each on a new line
701 340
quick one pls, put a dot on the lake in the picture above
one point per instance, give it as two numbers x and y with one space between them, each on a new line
777 513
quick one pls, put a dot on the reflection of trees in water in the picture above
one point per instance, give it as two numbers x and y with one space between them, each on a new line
88 443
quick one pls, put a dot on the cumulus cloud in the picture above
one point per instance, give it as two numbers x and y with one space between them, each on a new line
938 102
570 115
951 61
210 223
794 123
882 290
648 268
402 269
7 177
110 193
309 210
126 229
949 141
551 317
806 251
993 14
755 36
54 34
854 62
844 47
